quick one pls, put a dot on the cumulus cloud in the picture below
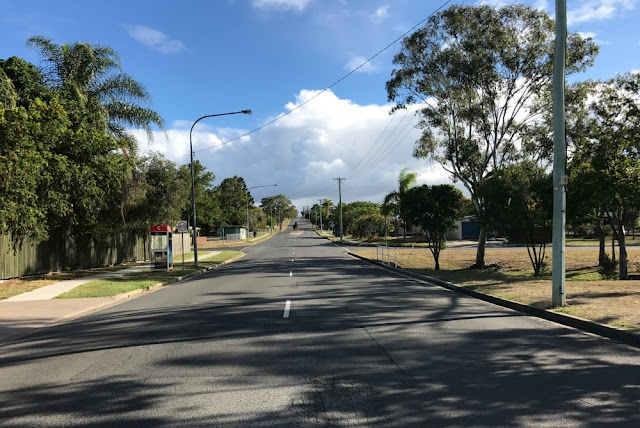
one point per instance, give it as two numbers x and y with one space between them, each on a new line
380 14
303 151
298 5
357 61
155 39
598 10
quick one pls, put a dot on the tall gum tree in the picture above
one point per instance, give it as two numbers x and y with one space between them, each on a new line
477 71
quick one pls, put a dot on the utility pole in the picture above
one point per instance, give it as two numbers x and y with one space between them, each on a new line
321 230
340 180
558 297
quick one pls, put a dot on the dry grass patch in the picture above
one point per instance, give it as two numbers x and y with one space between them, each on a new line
15 286
588 296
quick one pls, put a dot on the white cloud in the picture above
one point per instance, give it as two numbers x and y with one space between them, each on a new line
357 61
587 34
380 14
155 39
303 151
541 5
298 5
592 35
598 10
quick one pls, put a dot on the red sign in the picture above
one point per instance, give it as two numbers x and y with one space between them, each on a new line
160 228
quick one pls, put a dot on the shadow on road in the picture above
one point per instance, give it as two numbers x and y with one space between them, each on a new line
361 346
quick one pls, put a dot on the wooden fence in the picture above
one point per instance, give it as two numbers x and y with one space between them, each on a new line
54 255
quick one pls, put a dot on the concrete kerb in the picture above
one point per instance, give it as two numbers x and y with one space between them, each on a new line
118 299
623 336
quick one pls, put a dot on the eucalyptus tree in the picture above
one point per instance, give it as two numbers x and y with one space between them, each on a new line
232 196
159 194
479 74
394 202
280 205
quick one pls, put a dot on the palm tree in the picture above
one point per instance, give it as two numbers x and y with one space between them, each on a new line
395 200
93 76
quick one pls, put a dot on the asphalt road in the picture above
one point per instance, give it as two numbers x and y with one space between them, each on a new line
360 347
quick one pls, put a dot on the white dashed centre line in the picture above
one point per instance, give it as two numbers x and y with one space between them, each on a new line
287 307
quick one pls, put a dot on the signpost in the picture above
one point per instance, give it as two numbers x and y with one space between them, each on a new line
182 228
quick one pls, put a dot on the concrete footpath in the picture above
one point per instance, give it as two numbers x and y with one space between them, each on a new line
39 308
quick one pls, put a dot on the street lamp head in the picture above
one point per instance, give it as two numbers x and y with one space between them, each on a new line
246 112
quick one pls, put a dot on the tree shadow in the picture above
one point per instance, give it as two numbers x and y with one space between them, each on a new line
362 347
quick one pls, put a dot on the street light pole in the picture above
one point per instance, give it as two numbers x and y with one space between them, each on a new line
254 187
193 185
558 297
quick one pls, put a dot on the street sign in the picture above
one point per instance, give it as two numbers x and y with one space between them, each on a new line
182 226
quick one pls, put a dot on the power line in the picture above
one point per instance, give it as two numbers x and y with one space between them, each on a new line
330 86
376 153
389 149
376 158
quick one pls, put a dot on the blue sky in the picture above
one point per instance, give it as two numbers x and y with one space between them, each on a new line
206 57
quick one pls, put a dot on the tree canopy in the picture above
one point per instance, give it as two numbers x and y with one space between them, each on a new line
478 94
435 209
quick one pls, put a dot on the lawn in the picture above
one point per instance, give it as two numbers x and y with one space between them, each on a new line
140 280
588 296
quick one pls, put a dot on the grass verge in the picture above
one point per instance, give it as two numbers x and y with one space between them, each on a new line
616 303
141 280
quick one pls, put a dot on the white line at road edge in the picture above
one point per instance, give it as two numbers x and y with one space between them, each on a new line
287 307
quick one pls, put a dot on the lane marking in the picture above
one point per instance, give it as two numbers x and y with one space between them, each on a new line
293 260
290 273
287 307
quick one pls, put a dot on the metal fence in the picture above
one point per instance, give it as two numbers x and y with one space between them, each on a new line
37 257
380 253
233 237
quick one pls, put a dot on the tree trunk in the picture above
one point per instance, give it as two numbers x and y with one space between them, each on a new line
436 259
623 253
601 236
613 245
482 241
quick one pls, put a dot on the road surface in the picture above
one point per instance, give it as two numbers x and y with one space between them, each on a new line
298 333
